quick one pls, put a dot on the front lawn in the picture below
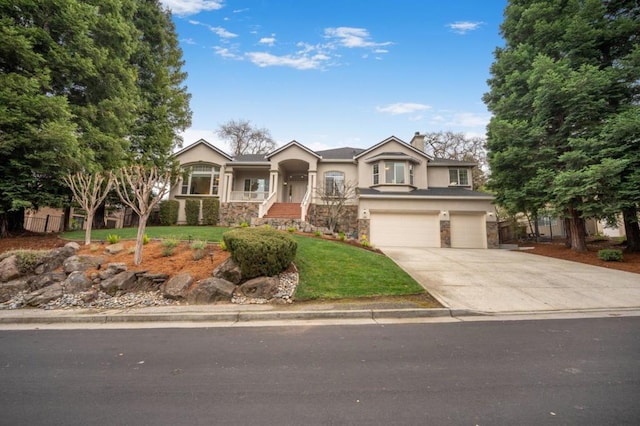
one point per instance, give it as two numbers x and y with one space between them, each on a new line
328 269
211 234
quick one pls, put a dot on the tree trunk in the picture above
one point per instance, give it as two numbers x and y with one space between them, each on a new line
567 231
578 234
137 258
631 228
67 218
87 232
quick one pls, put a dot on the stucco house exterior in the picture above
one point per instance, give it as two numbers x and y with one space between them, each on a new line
403 197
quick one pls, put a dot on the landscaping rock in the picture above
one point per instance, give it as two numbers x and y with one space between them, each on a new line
73 245
82 263
211 290
229 271
122 282
260 287
55 259
44 295
76 282
9 289
114 248
36 282
9 269
177 286
112 269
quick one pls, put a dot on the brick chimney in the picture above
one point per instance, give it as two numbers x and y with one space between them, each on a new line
418 141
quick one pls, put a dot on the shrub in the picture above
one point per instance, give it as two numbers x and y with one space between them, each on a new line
210 211
145 239
259 251
341 236
244 225
610 255
198 245
113 238
291 229
27 259
317 233
169 212
223 246
192 211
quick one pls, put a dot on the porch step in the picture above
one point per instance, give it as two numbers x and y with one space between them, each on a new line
284 211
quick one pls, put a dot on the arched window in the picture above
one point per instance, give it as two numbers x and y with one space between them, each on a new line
202 179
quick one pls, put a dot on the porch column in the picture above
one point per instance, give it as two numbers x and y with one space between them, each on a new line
228 184
273 181
312 185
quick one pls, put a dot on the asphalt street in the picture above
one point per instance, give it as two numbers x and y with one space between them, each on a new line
538 372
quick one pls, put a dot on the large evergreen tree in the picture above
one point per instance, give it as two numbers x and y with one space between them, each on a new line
567 69
85 85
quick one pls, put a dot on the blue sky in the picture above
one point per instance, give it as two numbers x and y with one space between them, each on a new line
338 73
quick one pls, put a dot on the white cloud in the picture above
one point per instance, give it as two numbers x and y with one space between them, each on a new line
352 37
402 108
191 7
470 119
188 41
301 62
463 27
226 53
269 41
221 32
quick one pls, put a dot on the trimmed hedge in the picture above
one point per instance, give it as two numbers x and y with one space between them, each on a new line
192 211
169 212
260 251
610 255
210 211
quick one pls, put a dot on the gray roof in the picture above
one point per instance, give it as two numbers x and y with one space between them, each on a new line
448 162
346 153
248 158
430 192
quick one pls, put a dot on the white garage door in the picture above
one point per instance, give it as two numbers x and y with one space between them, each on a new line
405 230
468 231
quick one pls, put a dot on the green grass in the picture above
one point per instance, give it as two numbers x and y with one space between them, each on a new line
335 270
328 269
204 233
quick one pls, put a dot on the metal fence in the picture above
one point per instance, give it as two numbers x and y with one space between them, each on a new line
44 224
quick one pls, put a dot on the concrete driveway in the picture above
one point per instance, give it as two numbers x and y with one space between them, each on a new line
513 281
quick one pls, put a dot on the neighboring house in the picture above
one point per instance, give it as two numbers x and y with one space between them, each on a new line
404 197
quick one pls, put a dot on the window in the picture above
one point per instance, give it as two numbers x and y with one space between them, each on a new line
376 174
257 187
410 174
203 179
459 177
334 183
394 172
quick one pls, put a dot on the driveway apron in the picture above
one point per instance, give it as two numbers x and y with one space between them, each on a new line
513 281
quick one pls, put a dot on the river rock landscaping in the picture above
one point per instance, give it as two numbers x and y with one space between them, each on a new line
103 276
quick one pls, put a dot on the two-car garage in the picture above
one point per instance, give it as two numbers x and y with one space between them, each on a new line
422 229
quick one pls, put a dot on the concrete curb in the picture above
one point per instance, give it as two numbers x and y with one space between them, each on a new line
234 316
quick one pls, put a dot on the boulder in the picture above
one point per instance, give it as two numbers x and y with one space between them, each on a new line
73 245
11 288
114 248
112 269
82 263
259 288
44 295
124 281
36 282
9 269
54 259
228 271
211 290
76 282
177 286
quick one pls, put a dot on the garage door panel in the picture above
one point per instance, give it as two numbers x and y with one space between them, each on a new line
468 231
405 230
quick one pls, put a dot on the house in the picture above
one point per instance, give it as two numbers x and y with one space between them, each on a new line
403 198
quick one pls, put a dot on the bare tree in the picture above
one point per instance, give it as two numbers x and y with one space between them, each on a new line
243 138
89 190
457 146
336 196
142 189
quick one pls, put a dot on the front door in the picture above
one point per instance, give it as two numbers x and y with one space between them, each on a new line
297 189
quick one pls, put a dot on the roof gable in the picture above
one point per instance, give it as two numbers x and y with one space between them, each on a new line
393 139
290 145
204 143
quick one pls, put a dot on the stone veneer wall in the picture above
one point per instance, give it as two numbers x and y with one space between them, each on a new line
445 233
363 228
237 212
317 216
493 240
